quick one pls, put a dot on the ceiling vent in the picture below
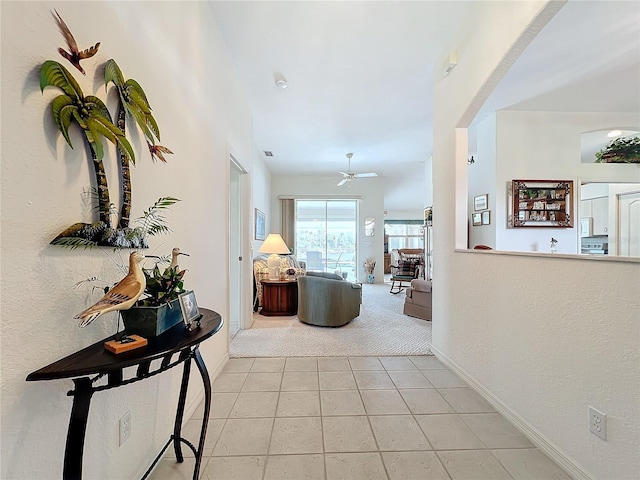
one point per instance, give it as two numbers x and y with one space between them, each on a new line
268 153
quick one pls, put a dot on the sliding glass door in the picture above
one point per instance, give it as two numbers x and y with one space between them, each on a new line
326 235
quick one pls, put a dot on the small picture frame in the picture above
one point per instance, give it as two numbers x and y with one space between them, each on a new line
259 225
486 217
189 307
476 219
480 202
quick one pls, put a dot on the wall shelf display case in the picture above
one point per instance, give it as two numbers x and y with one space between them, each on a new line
542 203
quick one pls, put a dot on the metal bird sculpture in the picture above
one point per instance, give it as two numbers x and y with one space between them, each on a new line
74 55
122 296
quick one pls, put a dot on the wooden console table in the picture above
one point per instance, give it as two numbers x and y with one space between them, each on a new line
279 298
95 360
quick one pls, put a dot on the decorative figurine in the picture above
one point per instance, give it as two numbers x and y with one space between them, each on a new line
122 296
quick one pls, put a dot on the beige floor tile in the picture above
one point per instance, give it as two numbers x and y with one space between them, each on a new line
262 382
299 404
448 432
191 431
383 402
221 405
427 362
295 381
234 468
473 465
354 466
301 364
373 380
466 400
411 379
238 365
444 378
296 435
244 436
348 434
413 466
398 433
255 404
169 469
265 365
333 364
337 381
229 382
341 402
365 363
397 363
529 464
295 467
423 401
495 431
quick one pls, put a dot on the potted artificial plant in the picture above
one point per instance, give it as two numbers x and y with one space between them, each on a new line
159 309
620 150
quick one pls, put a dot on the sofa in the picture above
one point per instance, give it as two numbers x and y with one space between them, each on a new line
325 299
417 302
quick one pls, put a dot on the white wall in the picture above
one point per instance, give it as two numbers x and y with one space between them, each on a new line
482 180
261 199
542 336
546 145
372 205
175 52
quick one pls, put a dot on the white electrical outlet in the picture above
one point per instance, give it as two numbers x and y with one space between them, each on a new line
125 427
597 423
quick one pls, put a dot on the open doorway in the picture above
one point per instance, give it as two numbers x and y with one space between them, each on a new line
236 243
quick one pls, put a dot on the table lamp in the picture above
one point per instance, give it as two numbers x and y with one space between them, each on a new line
274 245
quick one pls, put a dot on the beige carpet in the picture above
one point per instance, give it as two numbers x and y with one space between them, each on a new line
381 329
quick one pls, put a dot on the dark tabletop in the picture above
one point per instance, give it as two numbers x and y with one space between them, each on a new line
94 359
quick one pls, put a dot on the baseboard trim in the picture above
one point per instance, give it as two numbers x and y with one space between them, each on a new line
528 430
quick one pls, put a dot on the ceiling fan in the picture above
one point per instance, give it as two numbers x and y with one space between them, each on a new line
349 175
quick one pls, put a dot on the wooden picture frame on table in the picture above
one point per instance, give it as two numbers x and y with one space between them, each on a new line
259 224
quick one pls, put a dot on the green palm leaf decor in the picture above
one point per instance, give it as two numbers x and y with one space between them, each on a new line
92 116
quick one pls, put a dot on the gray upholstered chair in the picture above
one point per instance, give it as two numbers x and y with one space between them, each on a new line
325 299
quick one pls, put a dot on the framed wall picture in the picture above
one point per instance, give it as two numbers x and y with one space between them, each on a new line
476 219
480 202
486 217
542 203
259 226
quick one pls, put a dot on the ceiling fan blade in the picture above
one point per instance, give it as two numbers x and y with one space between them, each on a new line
346 174
364 175
343 181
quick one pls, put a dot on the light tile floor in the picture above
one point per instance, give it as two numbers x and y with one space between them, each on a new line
357 418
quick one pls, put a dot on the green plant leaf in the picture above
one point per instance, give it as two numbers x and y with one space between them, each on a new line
112 73
74 242
62 108
55 75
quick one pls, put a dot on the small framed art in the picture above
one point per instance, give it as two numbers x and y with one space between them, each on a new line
189 307
480 202
486 217
259 226
476 219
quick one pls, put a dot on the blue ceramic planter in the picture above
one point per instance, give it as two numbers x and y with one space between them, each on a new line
152 321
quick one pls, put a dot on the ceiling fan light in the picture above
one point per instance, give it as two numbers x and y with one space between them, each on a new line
614 133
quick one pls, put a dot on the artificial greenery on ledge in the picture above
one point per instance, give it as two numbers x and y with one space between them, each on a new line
620 150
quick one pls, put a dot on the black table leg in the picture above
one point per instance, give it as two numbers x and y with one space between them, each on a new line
77 429
206 381
177 427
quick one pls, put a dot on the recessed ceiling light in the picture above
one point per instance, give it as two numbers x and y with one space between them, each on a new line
614 133
268 153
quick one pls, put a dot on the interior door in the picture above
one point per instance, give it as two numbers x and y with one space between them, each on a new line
236 242
629 224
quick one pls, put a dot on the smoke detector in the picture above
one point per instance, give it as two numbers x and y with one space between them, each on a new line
281 82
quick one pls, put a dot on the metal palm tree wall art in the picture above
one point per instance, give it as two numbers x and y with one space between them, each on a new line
95 122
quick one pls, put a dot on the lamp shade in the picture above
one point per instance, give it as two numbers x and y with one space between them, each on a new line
274 244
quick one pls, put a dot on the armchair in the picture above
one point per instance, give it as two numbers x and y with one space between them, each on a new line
325 299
